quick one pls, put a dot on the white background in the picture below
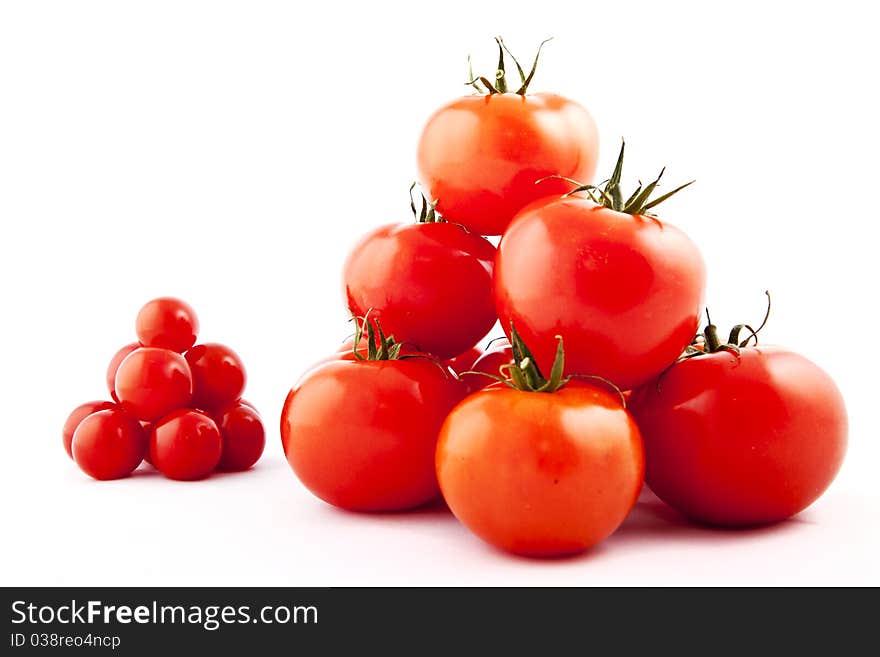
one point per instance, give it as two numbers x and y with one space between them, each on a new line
230 152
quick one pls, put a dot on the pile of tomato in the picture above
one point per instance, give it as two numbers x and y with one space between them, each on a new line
176 405
540 445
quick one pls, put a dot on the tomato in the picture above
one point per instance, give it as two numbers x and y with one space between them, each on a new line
464 361
497 355
117 359
243 436
428 284
624 290
218 375
148 431
186 445
541 473
361 434
108 444
479 156
167 323
741 438
152 382
79 414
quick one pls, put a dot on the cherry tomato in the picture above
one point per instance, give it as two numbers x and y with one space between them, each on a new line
218 375
361 434
625 291
148 431
465 360
117 359
741 439
186 445
167 323
480 156
151 383
428 284
108 444
243 436
540 474
79 414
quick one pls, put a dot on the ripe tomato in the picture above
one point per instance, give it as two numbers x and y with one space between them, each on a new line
741 438
429 284
151 383
479 156
218 375
361 434
109 444
540 473
490 362
464 361
118 357
167 323
624 290
243 436
79 414
186 445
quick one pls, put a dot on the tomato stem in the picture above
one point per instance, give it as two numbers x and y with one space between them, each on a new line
500 85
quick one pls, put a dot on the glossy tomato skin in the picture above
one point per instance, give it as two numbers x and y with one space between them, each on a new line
76 416
465 360
480 156
490 362
361 435
219 376
428 284
167 323
243 436
186 445
742 440
540 474
109 444
152 382
117 359
625 292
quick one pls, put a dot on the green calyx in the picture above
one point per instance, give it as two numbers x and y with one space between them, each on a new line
708 341
379 346
499 85
610 194
426 213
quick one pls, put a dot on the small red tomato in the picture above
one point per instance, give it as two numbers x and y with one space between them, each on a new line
148 431
186 445
117 359
243 436
218 375
741 435
79 414
429 284
108 444
361 434
479 156
465 360
151 382
497 355
168 323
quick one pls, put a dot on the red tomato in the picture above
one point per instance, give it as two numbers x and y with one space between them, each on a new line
361 434
243 436
79 414
109 444
218 375
480 156
167 323
490 362
117 359
148 431
429 284
540 474
741 439
186 445
625 291
151 383
465 360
